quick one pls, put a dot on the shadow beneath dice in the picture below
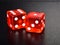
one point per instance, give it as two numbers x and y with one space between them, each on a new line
21 37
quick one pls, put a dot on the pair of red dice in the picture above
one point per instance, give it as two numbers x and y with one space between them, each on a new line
33 21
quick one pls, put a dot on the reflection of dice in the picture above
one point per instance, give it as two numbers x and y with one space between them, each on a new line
16 19
35 22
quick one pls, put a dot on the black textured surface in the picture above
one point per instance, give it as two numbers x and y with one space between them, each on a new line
51 35
30 0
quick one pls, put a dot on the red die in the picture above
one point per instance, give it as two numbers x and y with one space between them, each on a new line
16 18
35 22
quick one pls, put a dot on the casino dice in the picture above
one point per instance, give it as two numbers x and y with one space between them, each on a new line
35 22
16 19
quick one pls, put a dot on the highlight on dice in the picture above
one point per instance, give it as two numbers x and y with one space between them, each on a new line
33 22
16 19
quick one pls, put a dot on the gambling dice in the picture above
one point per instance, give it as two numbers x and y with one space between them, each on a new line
16 19
35 22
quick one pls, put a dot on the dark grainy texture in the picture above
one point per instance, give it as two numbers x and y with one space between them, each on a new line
32 0
51 35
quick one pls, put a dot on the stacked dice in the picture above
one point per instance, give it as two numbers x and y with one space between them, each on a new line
33 21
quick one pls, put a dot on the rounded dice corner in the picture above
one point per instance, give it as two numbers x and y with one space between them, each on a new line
31 15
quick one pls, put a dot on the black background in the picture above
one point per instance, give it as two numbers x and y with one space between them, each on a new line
51 35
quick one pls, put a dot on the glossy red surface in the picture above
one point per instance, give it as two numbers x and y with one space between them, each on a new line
16 18
35 22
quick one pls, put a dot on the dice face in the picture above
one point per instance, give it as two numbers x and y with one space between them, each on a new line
16 19
35 22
